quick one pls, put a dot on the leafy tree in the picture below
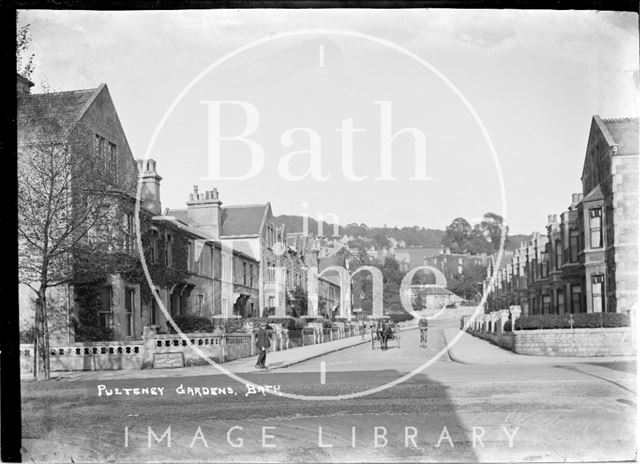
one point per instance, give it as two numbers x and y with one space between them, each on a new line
467 284
478 242
457 235
419 301
297 301
492 225
380 241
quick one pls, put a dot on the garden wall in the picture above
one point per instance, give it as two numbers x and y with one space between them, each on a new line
572 342
220 347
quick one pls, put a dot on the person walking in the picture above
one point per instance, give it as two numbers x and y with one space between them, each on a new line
262 343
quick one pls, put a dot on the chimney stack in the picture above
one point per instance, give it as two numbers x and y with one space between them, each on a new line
150 190
205 210
575 198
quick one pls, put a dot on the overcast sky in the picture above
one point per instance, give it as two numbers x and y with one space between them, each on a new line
535 80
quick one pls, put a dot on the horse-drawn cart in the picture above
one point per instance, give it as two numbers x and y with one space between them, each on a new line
377 327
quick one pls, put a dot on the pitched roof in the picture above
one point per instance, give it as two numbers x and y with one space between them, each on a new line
243 220
418 254
324 263
434 290
624 132
235 220
595 194
179 214
50 116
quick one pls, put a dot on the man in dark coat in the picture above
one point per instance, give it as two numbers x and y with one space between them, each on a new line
262 343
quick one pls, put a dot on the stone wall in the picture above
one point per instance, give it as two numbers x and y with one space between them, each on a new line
617 341
609 341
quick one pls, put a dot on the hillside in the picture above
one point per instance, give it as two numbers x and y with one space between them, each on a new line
412 236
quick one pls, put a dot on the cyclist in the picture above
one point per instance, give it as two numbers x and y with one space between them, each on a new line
424 326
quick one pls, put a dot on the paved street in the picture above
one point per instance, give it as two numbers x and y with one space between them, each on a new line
546 409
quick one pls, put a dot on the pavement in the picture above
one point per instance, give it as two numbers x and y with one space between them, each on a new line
463 348
546 405
275 360
468 349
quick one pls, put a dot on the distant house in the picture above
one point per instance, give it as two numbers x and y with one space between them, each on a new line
412 257
436 296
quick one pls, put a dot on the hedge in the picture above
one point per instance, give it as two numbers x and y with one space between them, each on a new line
580 321
400 317
191 324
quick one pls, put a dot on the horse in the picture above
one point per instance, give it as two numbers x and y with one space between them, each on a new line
386 334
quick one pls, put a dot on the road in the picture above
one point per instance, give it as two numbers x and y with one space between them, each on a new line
448 412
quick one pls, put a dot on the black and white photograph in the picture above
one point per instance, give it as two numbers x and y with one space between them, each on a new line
325 235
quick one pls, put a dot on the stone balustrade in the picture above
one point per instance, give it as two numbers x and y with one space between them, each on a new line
217 346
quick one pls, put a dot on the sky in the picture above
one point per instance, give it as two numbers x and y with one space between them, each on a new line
393 125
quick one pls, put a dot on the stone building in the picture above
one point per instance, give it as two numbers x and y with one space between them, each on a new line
608 215
84 124
588 259
412 257
282 261
249 228
107 295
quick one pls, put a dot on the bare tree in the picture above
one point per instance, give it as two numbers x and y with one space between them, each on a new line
24 59
63 198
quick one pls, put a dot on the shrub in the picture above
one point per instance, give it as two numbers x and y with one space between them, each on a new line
326 323
191 324
400 317
87 326
580 321
232 326
289 323
27 335
294 323
256 320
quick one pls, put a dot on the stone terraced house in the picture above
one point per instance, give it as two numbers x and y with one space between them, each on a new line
587 261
